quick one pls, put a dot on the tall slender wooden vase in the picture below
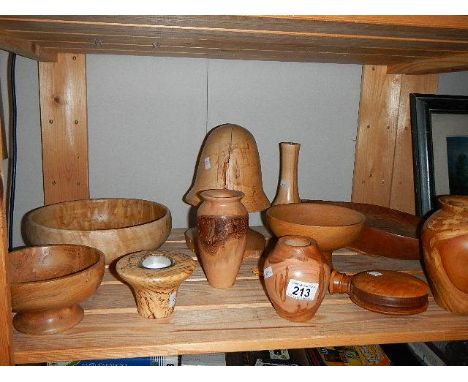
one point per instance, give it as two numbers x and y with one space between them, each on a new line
296 277
445 247
222 223
287 191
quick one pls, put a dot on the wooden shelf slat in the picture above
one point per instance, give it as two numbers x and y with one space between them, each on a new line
236 319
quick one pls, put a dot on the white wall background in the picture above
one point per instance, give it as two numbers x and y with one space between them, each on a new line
147 117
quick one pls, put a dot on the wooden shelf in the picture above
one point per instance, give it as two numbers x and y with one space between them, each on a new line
237 319
408 44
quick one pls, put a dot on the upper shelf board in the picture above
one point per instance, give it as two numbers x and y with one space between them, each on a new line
406 44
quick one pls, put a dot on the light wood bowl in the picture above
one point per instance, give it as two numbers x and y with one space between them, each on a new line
114 226
48 283
331 226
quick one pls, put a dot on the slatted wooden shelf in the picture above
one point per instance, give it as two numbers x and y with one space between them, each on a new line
237 319
408 44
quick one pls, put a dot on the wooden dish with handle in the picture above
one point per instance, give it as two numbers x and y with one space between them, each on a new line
383 291
386 232
48 283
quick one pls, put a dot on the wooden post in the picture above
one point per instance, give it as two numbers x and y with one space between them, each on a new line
6 353
383 167
64 128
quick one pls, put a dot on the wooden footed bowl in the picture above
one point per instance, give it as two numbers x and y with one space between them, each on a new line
48 283
114 226
332 227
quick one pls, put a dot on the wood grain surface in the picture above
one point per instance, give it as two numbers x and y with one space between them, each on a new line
116 226
6 351
64 125
444 240
155 290
383 291
241 318
402 186
416 41
383 166
47 284
287 190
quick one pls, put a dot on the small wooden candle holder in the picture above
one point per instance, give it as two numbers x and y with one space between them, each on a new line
155 277
381 291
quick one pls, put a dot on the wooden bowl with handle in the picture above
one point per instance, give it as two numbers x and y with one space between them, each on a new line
114 226
48 283
332 227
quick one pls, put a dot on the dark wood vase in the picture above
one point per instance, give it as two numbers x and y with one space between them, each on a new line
296 277
445 248
222 223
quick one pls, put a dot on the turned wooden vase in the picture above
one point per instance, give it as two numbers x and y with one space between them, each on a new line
445 249
222 223
288 191
296 276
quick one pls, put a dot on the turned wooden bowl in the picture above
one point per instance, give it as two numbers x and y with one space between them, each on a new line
114 226
331 226
48 283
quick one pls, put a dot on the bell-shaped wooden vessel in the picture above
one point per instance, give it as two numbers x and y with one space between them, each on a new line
296 277
229 159
445 249
222 224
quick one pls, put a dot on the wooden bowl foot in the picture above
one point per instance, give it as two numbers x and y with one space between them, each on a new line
49 321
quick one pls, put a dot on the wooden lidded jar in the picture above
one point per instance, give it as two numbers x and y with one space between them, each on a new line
155 277
445 249
222 223
296 277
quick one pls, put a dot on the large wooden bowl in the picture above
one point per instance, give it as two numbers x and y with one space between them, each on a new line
114 226
48 283
331 226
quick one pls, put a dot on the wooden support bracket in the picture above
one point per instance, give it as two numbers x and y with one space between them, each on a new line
383 167
64 128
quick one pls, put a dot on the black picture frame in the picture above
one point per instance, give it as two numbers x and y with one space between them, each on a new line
422 106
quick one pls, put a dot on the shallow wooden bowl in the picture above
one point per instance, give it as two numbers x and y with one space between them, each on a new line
332 227
48 283
114 226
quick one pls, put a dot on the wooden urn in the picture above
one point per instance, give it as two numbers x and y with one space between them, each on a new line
222 224
445 250
383 291
155 277
296 277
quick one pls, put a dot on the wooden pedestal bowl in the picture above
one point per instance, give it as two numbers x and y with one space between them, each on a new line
48 283
332 227
114 226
